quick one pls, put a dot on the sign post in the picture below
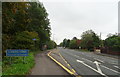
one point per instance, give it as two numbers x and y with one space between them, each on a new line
17 52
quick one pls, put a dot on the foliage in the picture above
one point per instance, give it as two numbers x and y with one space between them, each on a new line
18 67
90 40
61 44
39 22
24 40
51 44
73 44
23 21
113 42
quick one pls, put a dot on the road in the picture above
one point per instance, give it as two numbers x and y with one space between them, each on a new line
88 63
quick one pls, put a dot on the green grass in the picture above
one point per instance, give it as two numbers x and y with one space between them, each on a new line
18 67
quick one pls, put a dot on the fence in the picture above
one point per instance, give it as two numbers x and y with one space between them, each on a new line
108 50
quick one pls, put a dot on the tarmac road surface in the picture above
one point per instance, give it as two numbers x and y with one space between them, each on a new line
88 63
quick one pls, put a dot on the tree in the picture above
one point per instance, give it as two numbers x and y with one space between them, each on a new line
68 43
39 22
113 42
64 42
90 40
72 44
24 40
22 20
51 44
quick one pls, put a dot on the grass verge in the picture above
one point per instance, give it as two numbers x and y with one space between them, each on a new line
18 67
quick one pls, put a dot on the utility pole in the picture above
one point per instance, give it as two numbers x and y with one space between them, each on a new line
53 36
100 35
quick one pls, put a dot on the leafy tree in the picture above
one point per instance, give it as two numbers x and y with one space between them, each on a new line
23 21
24 40
51 44
113 42
73 44
68 43
39 21
64 42
90 40
74 38
61 44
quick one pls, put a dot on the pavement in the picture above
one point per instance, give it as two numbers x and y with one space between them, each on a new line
45 66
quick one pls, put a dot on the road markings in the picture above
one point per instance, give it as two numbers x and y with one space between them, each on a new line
99 60
113 63
74 72
87 60
98 67
91 68
68 65
60 64
110 69
76 55
117 67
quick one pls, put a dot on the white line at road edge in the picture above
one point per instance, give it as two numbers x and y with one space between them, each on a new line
91 68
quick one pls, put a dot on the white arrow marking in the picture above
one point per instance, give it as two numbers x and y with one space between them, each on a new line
99 60
98 67
91 68
80 61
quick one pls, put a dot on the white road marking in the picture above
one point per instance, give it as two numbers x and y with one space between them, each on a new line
87 60
110 69
117 67
91 68
99 60
113 63
98 67
76 55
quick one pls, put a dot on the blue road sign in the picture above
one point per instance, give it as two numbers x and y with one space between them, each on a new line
16 52
34 39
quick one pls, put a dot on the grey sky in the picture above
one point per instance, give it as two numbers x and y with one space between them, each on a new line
70 18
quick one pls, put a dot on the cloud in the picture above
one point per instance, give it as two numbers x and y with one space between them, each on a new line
69 19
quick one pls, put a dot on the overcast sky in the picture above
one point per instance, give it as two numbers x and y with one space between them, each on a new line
69 18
